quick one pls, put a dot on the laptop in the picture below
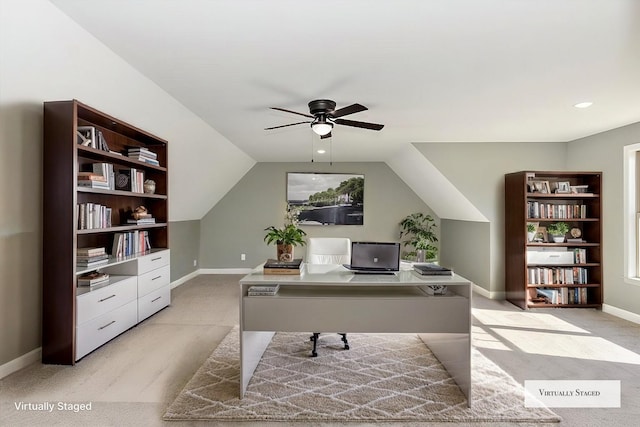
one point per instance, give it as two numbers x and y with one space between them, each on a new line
374 257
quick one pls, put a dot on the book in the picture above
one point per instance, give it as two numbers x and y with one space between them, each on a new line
85 258
90 251
263 290
280 271
91 263
142 151
91 176
274 263
93 278
432 270
141 221
93 184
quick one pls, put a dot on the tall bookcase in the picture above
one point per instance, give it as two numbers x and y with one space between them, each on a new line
540 272
72 313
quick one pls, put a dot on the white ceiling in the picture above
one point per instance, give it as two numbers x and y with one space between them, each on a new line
430 70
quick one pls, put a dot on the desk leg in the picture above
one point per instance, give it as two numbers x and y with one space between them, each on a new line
454 352
252 347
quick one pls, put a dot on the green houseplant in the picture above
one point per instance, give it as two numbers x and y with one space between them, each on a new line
418 231
286 237
531 231
557 231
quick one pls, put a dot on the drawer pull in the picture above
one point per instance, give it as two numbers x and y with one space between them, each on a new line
154 300
156 277
156 259
108 324
104 299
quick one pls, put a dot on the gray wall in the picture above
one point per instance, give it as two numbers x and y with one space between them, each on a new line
477 170
184 241
604 152
236 224
20 229
464 249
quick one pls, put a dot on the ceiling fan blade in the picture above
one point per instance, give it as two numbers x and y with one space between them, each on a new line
354 108
284 126
364 125
325 136
292 112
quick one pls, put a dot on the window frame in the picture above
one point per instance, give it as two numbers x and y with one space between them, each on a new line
632 214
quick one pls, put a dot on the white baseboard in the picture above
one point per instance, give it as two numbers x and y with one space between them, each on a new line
623 314
20 362
184 279
488 294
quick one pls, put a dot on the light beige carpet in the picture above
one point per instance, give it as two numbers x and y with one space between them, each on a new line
386 377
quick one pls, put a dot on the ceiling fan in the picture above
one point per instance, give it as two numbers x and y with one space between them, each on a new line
324 115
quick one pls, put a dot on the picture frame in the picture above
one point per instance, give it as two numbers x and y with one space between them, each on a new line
542 235
563 187
326 198
539 187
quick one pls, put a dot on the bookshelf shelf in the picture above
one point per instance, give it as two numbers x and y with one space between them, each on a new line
121 193
533 276
122 228
75 217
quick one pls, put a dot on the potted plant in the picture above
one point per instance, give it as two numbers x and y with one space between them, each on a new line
418 229
286 237
531 231
557 231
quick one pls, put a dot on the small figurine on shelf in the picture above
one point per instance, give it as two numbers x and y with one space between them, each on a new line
140 212
141 216
149 186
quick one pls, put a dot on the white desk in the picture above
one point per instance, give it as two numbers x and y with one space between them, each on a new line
329 298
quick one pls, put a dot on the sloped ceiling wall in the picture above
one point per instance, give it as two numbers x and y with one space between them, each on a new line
56 59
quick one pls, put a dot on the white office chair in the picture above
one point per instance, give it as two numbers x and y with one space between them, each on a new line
328 250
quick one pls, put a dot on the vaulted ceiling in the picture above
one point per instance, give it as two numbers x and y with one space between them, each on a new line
430 70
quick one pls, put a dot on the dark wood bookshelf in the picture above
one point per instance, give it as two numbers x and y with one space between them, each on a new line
64 157
518 194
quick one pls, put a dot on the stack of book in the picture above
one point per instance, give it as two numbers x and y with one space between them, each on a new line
105 170
92 180
91 257
432 270
273 266
263 290
92 279
142 220
143 154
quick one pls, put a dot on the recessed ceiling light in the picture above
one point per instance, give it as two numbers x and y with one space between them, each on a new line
321 151
583 104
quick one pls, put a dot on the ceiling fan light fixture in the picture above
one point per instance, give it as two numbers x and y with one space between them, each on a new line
321 126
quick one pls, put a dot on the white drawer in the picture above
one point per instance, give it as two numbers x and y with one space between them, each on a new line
153 302
97 302
152 261
153 280
98 331
549 257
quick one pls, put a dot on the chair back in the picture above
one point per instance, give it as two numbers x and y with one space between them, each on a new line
328 250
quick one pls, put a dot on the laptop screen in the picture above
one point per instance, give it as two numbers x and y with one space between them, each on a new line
375 256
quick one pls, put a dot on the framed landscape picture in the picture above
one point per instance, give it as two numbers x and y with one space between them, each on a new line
326 198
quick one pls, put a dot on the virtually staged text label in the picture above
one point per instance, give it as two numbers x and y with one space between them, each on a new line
52 406
572 394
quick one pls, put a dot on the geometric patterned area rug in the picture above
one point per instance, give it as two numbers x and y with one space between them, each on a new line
383 377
